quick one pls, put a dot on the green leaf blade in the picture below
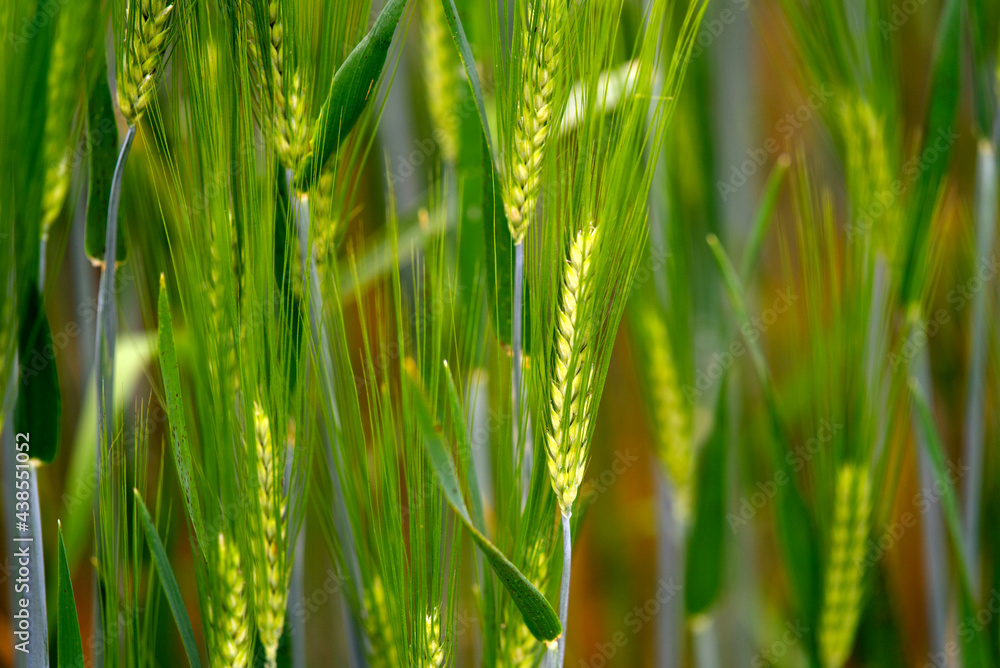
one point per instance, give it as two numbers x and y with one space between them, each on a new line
70 644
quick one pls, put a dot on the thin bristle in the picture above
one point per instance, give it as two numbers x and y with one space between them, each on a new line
843 581
533 115
568 419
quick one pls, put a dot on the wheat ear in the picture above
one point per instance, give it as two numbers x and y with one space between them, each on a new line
231 619
843 581
533 115
669 413
271 589
568 420
378 627
442 78
143 57
434 654
289 114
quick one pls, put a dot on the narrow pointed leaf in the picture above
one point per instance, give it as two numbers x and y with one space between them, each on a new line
469 61
354 85
170 588
181 446
539 616
69 642
39 401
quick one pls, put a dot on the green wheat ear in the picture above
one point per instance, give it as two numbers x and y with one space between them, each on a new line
533 114
289 122
271 589
378 627
843 582
442 78
230 617
568 415
670 416
145 48
322 216
434 654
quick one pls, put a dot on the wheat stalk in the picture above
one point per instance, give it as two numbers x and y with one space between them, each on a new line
230 617
533 115
568 420
289 123
843 579
669 413
271 587
145 48
442 78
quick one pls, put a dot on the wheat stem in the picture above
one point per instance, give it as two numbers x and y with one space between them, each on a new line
517 325
564 585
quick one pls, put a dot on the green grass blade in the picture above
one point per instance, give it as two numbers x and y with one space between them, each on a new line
763 217
352 88
169 582
939 125
469 61
69 643
706 545
39 401
175 411
539 616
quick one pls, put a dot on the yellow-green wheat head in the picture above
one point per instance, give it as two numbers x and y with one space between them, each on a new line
378 626
434 652
143 55
569 409
669 414
271 570
441 73
230 613
842 589
533 113
289 123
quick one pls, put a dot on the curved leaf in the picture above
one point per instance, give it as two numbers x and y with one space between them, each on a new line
352 88
102 155
539 616
39 401
175 410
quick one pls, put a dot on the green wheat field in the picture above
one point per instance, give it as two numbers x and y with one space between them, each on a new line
503 333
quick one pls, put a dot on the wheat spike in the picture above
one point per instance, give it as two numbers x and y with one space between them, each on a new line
842 584
231 620
568 416
434 654
271 589
442 78
289 113
378 627
533 115
56 146
322 216
143 57
669 413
